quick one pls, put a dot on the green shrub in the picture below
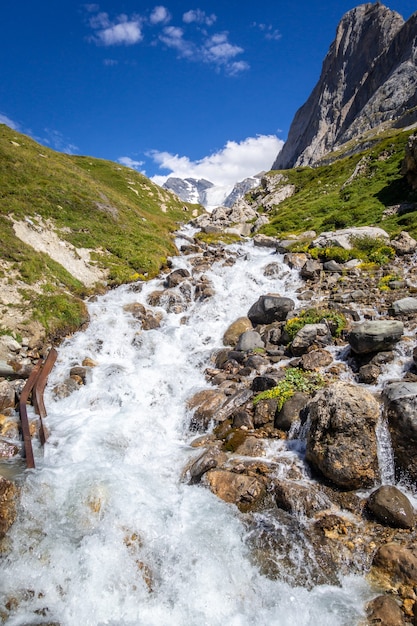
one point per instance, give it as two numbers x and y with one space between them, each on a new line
337 321
295 380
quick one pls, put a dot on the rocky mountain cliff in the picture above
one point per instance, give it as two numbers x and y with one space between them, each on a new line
368 79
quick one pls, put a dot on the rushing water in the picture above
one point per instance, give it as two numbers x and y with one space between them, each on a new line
108 533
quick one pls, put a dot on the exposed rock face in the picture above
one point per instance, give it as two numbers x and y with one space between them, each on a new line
369 77
375 336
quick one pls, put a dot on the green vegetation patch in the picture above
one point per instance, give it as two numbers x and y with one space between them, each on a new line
352 191
336 321
295 380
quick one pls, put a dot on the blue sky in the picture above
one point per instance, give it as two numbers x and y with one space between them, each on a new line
199 88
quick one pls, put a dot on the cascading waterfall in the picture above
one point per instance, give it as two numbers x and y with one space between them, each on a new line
107 532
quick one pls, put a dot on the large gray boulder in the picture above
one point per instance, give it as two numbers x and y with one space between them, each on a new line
405 306
401 408
309 335
375 336
343 238
270 308
341 442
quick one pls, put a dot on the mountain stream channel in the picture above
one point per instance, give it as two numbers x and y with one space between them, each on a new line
110 529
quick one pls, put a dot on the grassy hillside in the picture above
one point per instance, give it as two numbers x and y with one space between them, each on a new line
353 190
120 215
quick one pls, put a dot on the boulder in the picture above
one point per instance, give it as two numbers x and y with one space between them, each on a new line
375 335
265 411
311 269
249 340
232 334
239 489
209 459
341 442
309 335
270 308
314 360
291 411
397 562
404 244
300 499
176 277
7 396
342 238
401 409
405 306
206 403
384 610
391 507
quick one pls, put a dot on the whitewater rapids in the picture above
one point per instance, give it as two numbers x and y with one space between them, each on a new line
108 534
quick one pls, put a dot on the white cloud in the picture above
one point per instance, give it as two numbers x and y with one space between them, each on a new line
160 15
194 43
173 37
125 32
200 17
229 165
9 122
270 33
134 165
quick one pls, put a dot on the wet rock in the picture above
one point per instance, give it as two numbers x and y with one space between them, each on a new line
65 389
8 450
88 362
232 334
369 374
316 359
384 610
209 459
401 407
375 335
309 335
206 403
8 502
149 320
7 396
243 419
251 446
272 270
270 308
291 411
79 372
300 499
168 300
391 507
233 402
405 306
239 489
397 562
249 341
341 442
176 277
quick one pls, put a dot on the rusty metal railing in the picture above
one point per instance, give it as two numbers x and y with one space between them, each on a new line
35 384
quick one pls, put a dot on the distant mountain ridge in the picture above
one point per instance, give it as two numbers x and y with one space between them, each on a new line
206 193
368 79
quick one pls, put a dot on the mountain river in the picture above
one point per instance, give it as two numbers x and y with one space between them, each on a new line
108 532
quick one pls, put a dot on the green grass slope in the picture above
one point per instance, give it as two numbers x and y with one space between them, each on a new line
91 203
359 189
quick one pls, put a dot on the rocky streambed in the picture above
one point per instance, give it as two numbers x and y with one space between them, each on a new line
307 424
